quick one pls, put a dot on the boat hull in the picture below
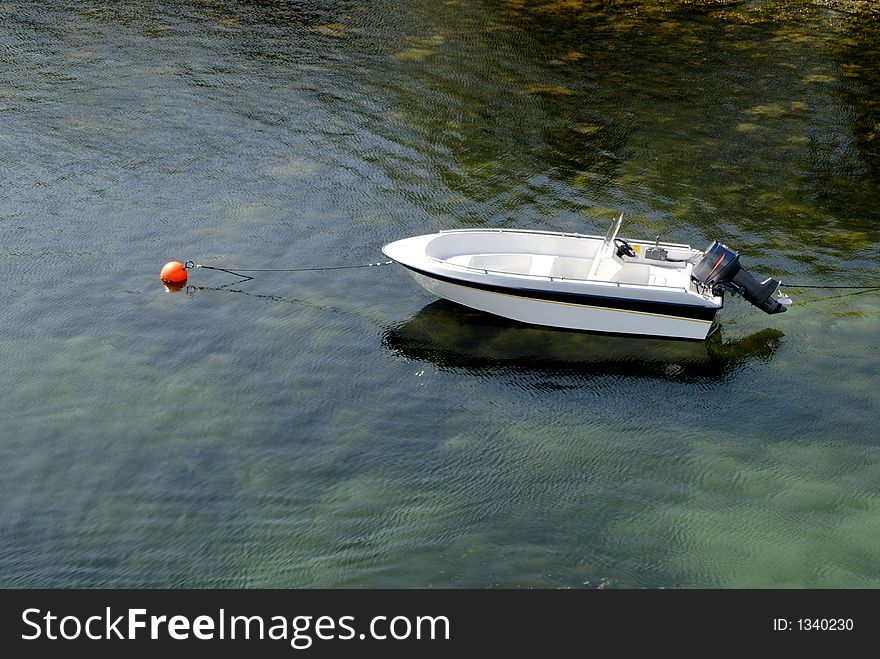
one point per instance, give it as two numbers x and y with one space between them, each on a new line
567 281
590 313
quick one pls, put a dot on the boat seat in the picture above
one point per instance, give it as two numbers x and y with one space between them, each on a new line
542 265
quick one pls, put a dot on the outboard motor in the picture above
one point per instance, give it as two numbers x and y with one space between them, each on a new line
720 270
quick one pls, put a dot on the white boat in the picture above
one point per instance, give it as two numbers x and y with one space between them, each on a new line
581 282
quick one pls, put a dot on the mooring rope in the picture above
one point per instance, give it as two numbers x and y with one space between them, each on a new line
867 288
237 273
862 289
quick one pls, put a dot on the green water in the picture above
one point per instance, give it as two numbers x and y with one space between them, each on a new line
346 429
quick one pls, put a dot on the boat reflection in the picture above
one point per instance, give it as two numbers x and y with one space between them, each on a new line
455 337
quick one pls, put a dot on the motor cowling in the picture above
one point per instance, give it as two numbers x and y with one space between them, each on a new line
720 270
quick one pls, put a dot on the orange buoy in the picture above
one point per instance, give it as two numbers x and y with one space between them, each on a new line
173 273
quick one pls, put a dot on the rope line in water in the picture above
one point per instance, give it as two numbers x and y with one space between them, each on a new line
867 288
274 298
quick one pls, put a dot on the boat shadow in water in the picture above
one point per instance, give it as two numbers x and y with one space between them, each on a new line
453 337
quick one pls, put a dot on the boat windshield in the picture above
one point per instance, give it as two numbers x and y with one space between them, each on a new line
613 229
